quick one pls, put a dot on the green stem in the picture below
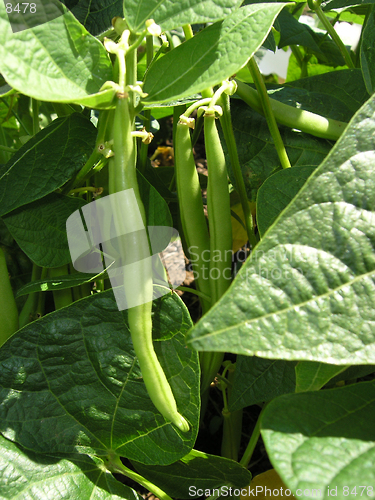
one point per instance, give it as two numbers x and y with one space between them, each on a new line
147 113
195 292
62 298
301 60
358 49
226 124
188 31
313 124
115 465
4 149
272 125
95 156
8 310
35 108
41 296
245 460
332 32
27 313
232 425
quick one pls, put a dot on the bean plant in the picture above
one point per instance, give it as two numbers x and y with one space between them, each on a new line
99 401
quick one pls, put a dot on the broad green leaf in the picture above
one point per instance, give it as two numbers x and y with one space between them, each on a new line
46 161
292 32
353 373
75 385
58 283
171 14
314 67
40 229
312 375
333 95
218 52
307 291
339 4
256 150
368 52
257 380
56 61
96 15
27 475
324 439
196 471
277 192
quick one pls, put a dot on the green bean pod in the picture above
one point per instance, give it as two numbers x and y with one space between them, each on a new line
220 226
8 309
218 207
295 118
192 215
138 278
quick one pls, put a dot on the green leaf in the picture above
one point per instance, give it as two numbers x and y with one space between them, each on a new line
156 208
70 383
40 229
58 283
353 373
312 376
171 14
257 153
257 380
24 474
314 67
277 192
57 61
219 51
339 4
292 32
196 471
307 291
324 440
368 52
96 15
46 161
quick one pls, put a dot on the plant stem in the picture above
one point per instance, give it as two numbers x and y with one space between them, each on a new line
232 425
8 312
147 112
62 298
272 125
300 119
35 107
95 156
115 465
28 311
195 292
226 124
188 31
301 60
315 6
358 49
245 460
